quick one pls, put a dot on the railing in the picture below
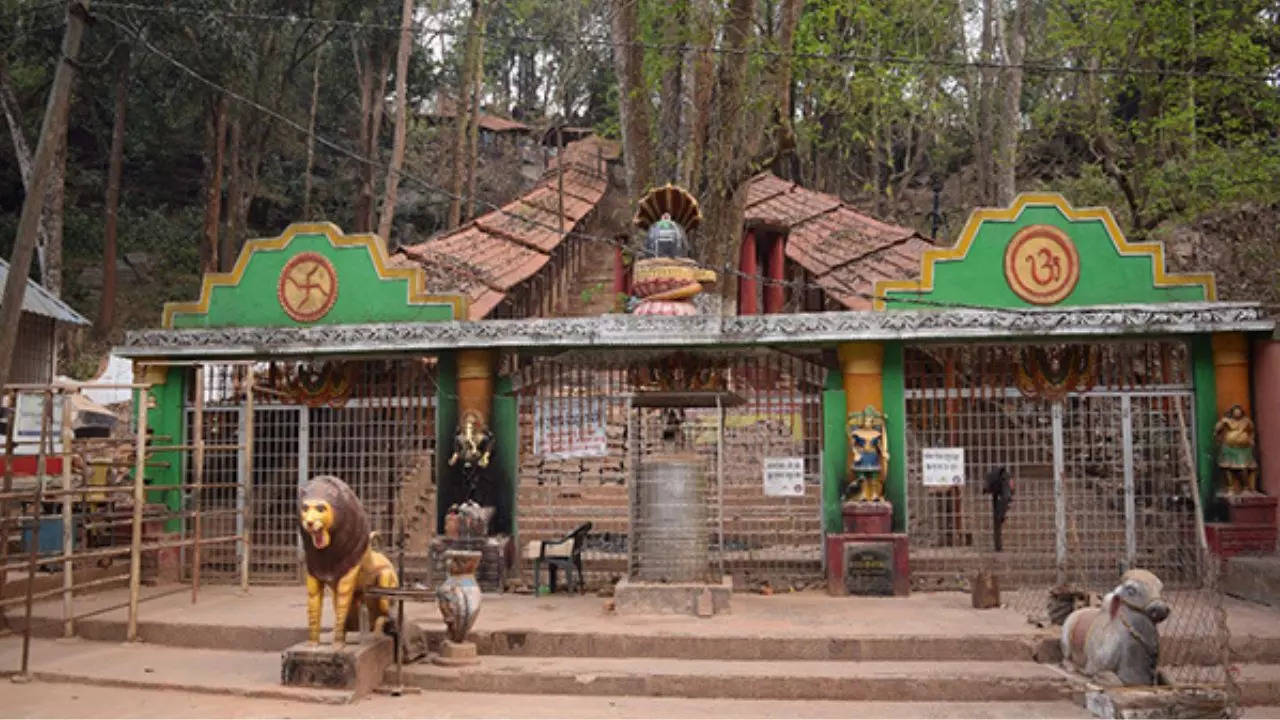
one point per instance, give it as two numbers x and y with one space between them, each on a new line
72 553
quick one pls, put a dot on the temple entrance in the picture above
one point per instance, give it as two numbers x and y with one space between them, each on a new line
588 420
1097 443
370 422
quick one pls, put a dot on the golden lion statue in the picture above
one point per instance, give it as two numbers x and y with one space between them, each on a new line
336 541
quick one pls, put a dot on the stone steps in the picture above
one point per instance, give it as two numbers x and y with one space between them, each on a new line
756 680
1259 684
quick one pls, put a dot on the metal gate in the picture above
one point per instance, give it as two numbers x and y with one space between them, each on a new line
583 434
370 422
1097 439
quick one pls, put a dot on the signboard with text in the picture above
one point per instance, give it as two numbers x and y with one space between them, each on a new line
566 428
784 476
942 467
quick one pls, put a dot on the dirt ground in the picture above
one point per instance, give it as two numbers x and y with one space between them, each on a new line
46 700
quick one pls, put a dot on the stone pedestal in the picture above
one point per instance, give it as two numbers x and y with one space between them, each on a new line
985 590
868 564
867 518
454 654
631 597
1228 540
358 666
1251 509
1251 529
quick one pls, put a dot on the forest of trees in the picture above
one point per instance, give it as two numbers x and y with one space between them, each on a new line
195 125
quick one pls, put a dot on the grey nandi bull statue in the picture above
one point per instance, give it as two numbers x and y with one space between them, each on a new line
1118 644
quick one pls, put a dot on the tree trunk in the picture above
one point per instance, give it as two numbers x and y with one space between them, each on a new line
311 136
672 94
473 125
726 167
986 99
22 153
231 234
115 166
1007 155
526 83
365 84
402 116
784 133
215 146
703 36
462 113
52 219
378 107
633 103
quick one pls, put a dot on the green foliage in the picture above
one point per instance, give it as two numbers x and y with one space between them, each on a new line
1179 122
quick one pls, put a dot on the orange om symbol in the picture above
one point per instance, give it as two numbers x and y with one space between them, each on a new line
1050 265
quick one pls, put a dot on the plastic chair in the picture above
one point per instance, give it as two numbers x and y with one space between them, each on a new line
562 554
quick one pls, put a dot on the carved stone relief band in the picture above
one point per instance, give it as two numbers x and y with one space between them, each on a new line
653 331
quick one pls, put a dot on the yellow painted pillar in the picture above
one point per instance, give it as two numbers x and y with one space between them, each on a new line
862 364
475 383
1231 371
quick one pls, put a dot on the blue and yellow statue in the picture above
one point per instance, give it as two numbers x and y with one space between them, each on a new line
870 456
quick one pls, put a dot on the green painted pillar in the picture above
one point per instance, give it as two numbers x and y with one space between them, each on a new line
835 451
167 427
1206 416
446 424
506 442
895 410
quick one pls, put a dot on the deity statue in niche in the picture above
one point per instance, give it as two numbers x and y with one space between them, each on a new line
1235 437
472 446
869 448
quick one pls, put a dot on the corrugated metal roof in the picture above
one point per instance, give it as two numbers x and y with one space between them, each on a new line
845 250
487 257
39 301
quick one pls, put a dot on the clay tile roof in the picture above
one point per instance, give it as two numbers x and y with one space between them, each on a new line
845 250
490 255
447 108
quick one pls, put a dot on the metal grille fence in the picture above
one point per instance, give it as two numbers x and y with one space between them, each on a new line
586 400
1098 442
369 422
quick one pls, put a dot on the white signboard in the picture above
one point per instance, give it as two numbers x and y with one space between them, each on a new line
27 429
784 476
942 467
567 428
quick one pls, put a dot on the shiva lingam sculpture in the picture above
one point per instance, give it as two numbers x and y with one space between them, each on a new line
666 280
1235 436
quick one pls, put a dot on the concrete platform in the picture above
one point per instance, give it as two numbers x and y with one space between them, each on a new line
925 646
139 665
650 598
